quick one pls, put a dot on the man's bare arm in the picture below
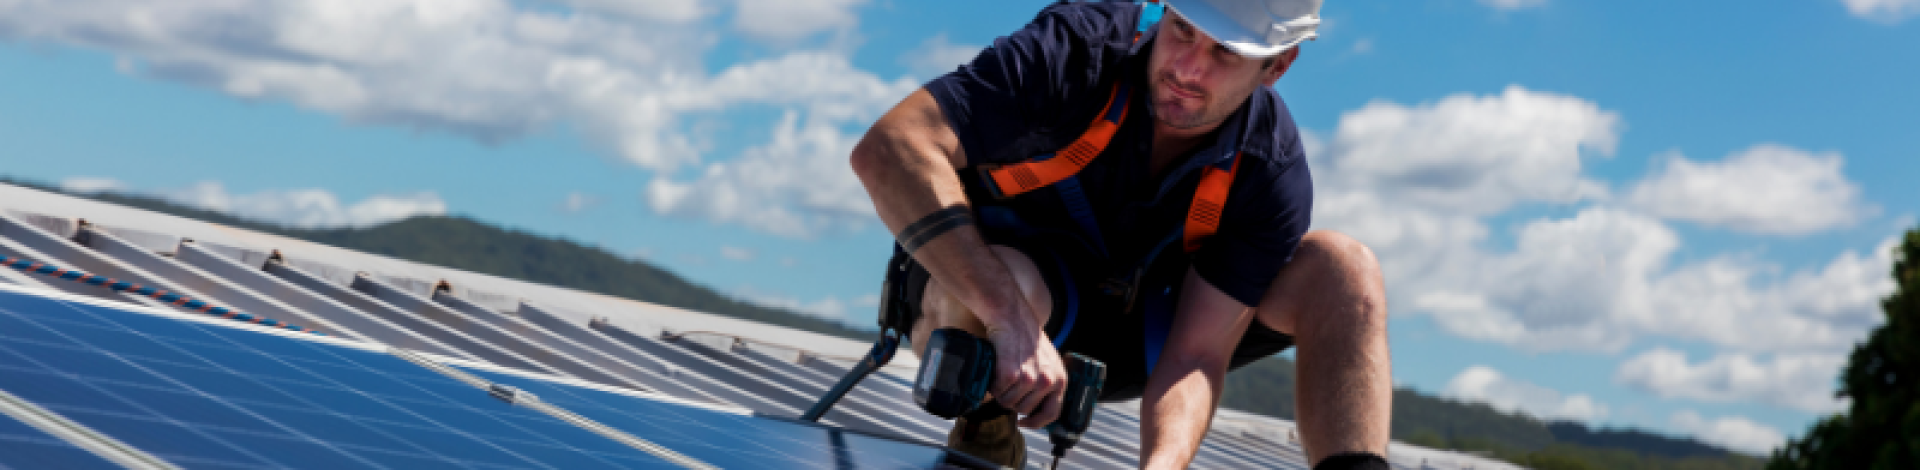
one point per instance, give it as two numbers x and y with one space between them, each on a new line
907 162
1184 389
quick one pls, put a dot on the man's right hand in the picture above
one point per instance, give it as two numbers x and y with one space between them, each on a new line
1028 377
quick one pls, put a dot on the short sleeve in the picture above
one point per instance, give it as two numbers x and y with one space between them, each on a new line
1017 86
1267 216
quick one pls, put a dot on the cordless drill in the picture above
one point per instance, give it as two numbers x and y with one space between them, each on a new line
958 368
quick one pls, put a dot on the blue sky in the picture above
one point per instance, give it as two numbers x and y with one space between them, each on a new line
1666 215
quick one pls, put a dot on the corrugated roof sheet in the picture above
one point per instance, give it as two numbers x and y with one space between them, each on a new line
545 333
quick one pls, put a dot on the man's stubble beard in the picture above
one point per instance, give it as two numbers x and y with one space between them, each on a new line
1202 117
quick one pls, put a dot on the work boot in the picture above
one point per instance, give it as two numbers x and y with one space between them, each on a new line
989 432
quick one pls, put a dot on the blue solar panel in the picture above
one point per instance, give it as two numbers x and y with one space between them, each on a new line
728 440
25 447
214 397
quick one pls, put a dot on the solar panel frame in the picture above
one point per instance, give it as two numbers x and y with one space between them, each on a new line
44 439
583 362
431 337
7 245
15 348
365 325
51 248
219 290
211 420
488 342
669 381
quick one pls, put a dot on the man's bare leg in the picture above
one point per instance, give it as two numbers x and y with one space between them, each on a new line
1332 299
942 310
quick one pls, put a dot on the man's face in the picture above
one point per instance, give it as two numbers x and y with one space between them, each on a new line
1198 82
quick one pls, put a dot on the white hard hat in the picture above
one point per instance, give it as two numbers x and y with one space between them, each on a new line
1253 28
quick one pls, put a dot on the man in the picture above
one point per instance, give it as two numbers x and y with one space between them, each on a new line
1133 190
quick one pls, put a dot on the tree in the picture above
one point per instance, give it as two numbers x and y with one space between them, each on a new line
1881 430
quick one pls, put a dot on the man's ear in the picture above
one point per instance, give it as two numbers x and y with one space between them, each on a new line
1281 63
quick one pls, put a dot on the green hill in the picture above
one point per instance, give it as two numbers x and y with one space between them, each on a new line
1264 387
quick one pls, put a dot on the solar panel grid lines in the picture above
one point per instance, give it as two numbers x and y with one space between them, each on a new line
222 413
558 354
419 333
776 438
218 291
582 335
52 441
520 398
496 435
803 446
1095 447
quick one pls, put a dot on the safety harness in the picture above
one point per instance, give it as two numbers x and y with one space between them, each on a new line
1061 170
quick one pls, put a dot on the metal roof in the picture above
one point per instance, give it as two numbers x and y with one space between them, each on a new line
540 334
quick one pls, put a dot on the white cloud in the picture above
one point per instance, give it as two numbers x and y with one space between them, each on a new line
307 208
936 56
1418 184
1764 189
1804 382
1362 47
798 185
1484 384
1605 277
792 19
736 253
829 307
676 11
488 69
90 184
301 208
1884 11
1474 155
1513 4
1733 432
578 201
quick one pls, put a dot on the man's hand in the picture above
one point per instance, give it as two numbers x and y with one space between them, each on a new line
1028 378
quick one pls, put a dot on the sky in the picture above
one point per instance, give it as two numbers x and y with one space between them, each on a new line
1674 216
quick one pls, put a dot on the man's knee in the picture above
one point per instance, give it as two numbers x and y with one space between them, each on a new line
941 306
1331 277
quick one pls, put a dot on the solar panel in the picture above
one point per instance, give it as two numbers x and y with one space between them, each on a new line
25 447
207 396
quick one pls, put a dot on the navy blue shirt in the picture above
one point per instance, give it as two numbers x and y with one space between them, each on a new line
1035 91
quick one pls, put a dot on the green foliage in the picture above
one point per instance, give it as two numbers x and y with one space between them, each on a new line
1266 387
1881 430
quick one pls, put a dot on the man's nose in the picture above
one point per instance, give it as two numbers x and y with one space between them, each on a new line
1191 62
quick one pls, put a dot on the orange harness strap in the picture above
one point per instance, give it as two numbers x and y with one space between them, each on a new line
1019 178
1209 201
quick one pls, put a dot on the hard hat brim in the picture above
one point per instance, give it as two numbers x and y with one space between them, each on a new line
1224 30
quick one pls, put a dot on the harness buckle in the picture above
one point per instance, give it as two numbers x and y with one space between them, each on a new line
985 171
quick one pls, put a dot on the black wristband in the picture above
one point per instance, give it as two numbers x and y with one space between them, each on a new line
1353 461
933 226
